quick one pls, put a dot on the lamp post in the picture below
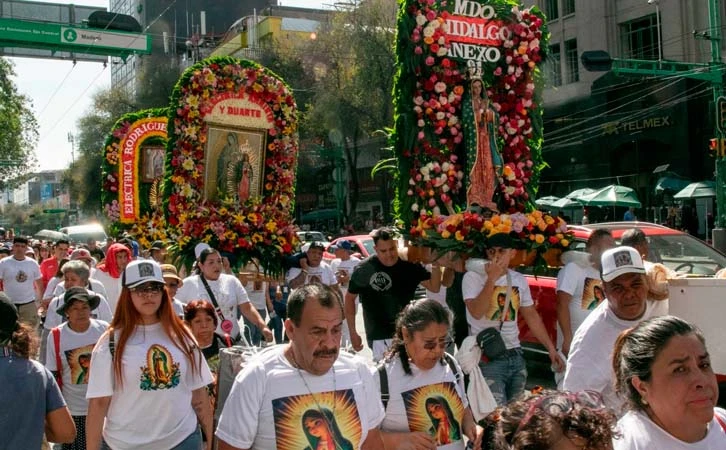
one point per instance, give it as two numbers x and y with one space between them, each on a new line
657 25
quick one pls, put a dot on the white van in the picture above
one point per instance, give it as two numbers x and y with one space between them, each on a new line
82 233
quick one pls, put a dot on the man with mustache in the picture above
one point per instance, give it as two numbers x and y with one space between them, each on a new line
308 373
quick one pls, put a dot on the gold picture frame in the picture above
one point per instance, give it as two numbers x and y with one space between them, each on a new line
234 163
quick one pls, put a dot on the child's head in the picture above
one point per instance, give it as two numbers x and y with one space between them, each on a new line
552 420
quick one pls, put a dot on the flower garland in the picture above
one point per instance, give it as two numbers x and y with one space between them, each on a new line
430 93
111 174
259 229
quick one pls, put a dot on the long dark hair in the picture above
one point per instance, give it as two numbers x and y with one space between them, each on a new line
326 415
637 348
415 317
453 423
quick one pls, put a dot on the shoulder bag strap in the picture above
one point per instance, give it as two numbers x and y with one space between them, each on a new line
384 385
212 297
112 343
720 422
506 303
452 365
58 366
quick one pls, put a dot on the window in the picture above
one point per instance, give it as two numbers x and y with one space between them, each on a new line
551 9
640 38
554 66
568 7
572 72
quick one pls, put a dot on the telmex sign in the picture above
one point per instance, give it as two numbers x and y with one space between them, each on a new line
636 125
474 33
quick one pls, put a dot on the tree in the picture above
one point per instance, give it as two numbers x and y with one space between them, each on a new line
354 59
83 179
18 129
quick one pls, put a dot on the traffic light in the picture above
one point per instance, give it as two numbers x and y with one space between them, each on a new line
718 147
721 116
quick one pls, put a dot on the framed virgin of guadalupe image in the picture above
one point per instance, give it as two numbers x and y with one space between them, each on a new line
152 163
234 160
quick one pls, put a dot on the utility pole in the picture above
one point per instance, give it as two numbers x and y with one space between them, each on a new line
72 140
712 72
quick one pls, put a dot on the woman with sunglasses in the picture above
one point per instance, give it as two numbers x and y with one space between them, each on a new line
148 377
422 387
663 369
553 420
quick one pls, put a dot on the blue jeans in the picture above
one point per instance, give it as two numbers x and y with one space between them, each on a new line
505 376
252 333
192 442
276 323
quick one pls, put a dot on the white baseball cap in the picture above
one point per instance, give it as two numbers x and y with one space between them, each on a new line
199 248
142 271
620 260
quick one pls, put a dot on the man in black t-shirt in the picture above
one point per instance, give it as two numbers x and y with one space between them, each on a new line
385 284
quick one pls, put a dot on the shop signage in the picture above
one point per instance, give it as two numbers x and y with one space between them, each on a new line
631 126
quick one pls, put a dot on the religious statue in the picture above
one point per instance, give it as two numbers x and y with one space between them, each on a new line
239 174
486 165
226 157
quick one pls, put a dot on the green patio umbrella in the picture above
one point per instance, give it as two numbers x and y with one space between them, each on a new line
566 203
702 189
613 195
671 183
546 201
579 193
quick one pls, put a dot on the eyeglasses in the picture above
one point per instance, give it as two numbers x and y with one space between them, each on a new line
148 289
558 404
172 285
440 344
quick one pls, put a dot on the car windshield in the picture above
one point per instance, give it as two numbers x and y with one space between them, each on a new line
368 244
310 236
685 254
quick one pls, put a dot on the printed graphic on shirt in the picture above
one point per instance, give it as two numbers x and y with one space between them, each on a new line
381 281
79 361
161 371
499 299
592 293
21 277
325 420
435 409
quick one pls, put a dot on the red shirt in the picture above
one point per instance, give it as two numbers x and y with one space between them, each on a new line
48 269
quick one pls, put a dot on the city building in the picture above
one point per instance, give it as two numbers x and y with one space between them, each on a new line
182 31
603 129
43 188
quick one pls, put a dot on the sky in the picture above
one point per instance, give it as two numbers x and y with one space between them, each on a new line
61 93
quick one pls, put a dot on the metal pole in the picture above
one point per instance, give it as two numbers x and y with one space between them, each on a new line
714 24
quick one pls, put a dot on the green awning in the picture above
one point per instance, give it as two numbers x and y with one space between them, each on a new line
320 215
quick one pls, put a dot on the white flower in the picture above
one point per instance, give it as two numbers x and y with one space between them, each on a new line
440 115
420 20
411 181
442 51
414 207
445 188
437 211
420 122
428 31
442 40
445 166
440 87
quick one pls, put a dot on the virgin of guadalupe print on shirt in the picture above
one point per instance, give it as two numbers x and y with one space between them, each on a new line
320 421
499 299
435 409
79 362
161 372
592 293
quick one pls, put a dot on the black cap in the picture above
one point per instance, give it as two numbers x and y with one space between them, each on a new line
157 245
80 294
8 316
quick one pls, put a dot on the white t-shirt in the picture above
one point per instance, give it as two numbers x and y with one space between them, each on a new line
53 319
348 265
18 278
96 286
585 287
271 403
51 287
228 292
257 297
411 395
153 408
440 296
589 365
112 286
75 354
323 272
638 432
471 286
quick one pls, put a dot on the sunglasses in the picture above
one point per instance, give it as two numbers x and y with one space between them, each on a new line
443 344
172 285
559 404
148 289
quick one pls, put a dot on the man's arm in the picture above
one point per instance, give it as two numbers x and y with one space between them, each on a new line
478 306
221 445
433 284
447 279
203 408
563 319
299 280
253 316
536 326
59 426
38 287
350 311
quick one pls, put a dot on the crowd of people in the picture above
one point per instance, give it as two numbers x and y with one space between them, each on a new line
131 351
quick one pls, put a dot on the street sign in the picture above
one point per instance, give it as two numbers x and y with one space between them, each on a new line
721 115
55 36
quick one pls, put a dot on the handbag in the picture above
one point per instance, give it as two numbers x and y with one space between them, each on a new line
490 339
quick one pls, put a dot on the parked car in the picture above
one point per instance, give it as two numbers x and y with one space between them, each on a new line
80 234
675 249
362 246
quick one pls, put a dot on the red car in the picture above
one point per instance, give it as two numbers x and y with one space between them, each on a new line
677 250
362 246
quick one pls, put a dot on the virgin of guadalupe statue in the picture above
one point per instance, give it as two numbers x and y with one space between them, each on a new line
239 176
226 157
485 162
